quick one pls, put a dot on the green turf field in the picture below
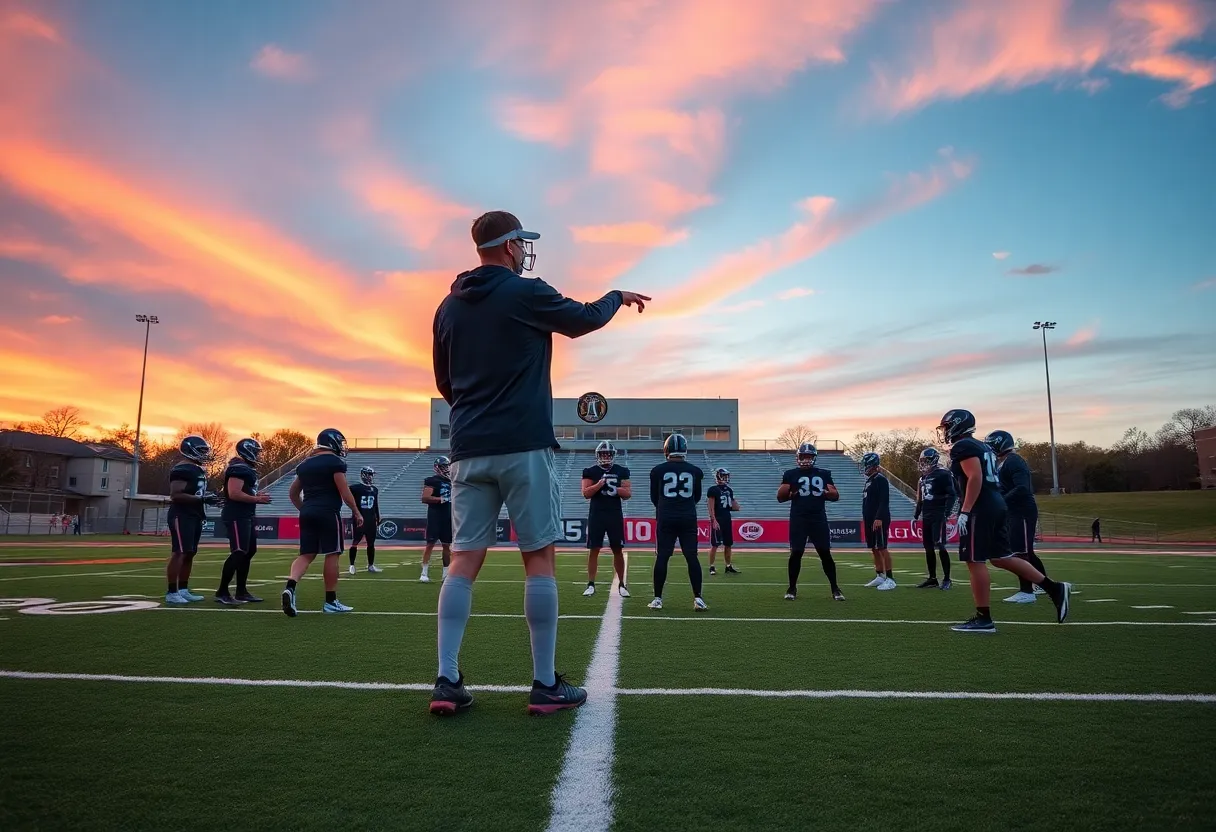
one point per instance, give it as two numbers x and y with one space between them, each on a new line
1179 515
733 719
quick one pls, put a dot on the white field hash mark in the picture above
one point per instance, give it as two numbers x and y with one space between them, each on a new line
426 687
582 796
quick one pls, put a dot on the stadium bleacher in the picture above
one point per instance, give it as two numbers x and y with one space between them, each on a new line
755 476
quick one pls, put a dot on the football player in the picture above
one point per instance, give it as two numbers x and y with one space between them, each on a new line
367 495
983 532
241 501
605 485
807 488
437 494
721 502
188 501
1018 491
675 491
318 491
876 519
934 499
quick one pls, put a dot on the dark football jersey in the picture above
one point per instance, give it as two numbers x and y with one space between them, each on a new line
317 480
936 492
675 490
195 479
232 510
808 486
876 499
367 497
971 448
1016 485
723 497
606 501
439 488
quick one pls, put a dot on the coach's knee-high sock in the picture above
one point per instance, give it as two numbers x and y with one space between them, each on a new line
540 608
354 550
455 605
945 559
660 574
230 567
371 553
694 573
795 569
931 560
829 568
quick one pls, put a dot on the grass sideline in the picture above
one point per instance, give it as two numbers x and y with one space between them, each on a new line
144 754
1180 516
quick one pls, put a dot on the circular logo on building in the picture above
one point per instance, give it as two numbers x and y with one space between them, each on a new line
750 530
388 529
592 407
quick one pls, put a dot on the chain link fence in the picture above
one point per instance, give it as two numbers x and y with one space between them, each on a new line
33 513
1122 531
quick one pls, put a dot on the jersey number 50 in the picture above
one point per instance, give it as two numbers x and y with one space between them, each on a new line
670 482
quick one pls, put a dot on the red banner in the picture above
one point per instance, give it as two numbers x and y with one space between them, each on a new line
912 531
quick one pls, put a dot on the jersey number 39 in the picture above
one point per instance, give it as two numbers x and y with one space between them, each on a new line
810 486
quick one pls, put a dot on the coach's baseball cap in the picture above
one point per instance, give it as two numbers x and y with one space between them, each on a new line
497 227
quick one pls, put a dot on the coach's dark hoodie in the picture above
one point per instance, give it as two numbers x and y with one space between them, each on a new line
493 351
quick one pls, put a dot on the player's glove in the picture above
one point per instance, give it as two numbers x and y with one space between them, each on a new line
962 522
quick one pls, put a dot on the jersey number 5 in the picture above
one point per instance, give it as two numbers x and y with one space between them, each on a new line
671 480
610 486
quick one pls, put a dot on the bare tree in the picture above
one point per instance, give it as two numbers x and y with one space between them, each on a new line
281 447
794 436
1133 442
65 422
122 437
1181 427
217 437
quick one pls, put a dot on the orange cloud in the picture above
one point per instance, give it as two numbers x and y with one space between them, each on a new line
630 234
1004 46
418 213
58 319
275 62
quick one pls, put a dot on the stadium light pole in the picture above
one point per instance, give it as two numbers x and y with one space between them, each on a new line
147 321
1051 426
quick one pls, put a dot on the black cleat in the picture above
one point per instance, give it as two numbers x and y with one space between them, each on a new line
837 595
928 583
227 600
248 598
975 624
289 603
1060 598
563 695
713 570
731 570
449 697
947 584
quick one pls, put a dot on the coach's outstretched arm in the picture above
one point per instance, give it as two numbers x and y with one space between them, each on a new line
556 313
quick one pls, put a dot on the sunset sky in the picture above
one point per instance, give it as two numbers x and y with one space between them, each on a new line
848 212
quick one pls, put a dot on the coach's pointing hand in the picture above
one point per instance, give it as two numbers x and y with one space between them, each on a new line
634 299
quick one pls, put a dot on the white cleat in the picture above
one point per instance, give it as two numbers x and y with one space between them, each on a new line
656 604
789 596
887 584
351 570
878 580
336 607
589 591
374 569
1021 598
623 590
175 598
188 595
699 605
424 578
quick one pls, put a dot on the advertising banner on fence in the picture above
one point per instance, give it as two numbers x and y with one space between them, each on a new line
769 532
390 528
912 531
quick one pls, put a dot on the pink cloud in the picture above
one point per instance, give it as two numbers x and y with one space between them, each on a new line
796 292
419 214
987 45
1210 283
1000 255
275 62
58 319
629 234
1083 335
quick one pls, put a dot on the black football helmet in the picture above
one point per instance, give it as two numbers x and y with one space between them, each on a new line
605 454
675 446
870 462
807 453
196 449
1001 442
249 450
367 473
955 425
929 461
443 467
331 439
722 476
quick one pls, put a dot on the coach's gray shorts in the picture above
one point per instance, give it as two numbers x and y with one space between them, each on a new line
527 482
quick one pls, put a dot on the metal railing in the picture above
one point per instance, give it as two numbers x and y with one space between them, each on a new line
1124 531
278 473
151 521
13 501
780 445
408 443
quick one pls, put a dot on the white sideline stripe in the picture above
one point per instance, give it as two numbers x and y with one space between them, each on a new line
1210 612
582 795
1100 600
1153 607
246 611
774 694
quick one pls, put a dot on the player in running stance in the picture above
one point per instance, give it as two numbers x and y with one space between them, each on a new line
188 501
983 533
934 499
675 491
367 496
1018 491
605 485
807 488
876 519
437 494
239 515
318 491
721 502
